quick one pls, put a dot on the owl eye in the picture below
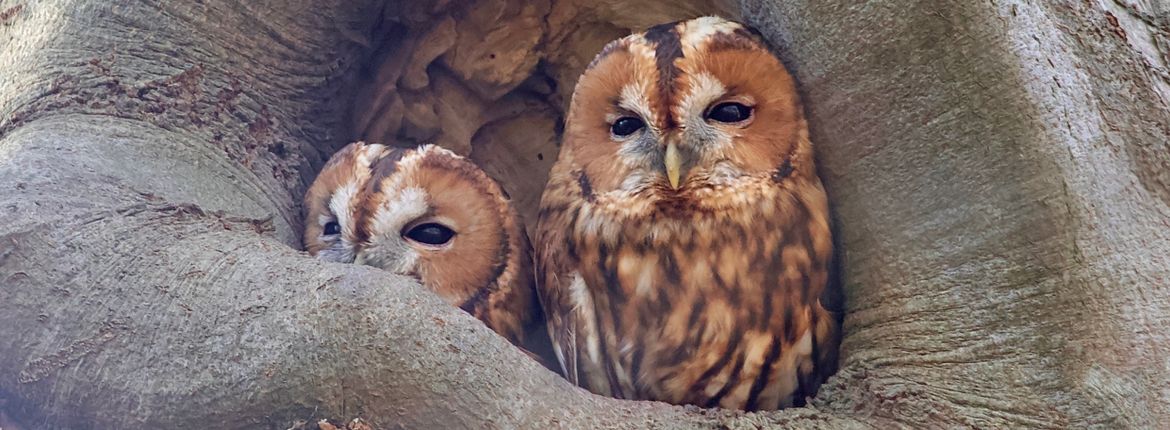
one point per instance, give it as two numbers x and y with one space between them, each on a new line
430 233
729 112
626 126
332 228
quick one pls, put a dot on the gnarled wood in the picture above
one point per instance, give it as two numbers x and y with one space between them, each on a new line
999 173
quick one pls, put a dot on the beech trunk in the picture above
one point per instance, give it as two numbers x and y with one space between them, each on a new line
999 172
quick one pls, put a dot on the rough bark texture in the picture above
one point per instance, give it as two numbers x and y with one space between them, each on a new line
1000 173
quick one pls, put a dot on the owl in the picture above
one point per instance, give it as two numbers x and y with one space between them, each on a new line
430 214
683 240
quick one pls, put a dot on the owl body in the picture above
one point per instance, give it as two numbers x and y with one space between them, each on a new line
683 257
432 215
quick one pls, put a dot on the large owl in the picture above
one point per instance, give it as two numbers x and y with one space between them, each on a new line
432 215
683 242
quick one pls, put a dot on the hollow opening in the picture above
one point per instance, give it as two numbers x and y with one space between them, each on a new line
492 79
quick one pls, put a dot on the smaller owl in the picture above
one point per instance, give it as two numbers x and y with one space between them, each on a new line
433 215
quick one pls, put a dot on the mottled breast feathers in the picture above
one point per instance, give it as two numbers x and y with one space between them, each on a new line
683 243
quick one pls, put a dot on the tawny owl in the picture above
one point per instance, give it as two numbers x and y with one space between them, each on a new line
433 215
683 242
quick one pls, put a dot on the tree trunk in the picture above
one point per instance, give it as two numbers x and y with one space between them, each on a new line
1000 173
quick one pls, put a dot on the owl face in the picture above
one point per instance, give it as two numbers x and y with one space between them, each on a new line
333 200
684 108
432 214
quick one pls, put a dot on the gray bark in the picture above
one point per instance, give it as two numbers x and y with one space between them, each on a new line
1000 174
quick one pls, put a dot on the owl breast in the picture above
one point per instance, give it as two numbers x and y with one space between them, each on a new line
707 306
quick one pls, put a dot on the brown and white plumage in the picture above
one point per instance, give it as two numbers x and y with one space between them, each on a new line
433 215
683 239
332 202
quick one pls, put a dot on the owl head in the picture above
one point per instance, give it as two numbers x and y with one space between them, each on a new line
332 202
685 108
432 214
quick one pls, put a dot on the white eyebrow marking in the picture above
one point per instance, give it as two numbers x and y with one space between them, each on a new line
395 212
634 98
339 204
704 89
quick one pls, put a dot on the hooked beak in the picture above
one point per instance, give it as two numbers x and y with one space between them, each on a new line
359 258
673 163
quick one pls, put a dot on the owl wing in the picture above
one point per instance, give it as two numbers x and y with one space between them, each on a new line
555 273
567 302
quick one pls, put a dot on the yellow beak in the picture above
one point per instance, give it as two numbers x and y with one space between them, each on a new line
673 163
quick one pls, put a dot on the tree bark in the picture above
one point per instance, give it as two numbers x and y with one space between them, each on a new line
1000 174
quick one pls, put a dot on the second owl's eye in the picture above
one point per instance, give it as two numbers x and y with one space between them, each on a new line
332 228
729 112
626 126
430 234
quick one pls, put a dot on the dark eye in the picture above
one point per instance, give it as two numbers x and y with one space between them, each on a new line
729 112
626 126
430 234
332 228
